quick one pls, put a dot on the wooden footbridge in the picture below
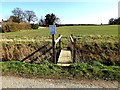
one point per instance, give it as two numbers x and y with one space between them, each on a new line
61 57
66 57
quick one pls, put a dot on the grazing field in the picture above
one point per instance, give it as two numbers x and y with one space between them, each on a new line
81 32
88 30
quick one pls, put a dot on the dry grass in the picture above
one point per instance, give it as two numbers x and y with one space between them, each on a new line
18 51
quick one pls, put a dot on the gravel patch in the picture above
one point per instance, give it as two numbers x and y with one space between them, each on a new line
20 82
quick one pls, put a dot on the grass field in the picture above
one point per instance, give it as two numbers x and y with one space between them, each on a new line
102 32
88 30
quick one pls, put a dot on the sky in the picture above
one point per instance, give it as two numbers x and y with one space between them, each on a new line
75 12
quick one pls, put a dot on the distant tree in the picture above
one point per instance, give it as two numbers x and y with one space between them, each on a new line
57 21
30 16
115 21
42 22
111 21
118 22
18 14
51 19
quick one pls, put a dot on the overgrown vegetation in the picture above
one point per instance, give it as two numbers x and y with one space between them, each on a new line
47 69
14 51
12 27
104 52
34 26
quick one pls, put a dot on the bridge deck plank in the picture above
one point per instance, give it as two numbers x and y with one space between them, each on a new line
64 58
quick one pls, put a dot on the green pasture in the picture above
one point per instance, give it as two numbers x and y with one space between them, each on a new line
65 31
88 30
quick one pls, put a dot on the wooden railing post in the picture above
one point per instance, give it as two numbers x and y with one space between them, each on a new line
59 44
74 51
53 46
72 40
72 35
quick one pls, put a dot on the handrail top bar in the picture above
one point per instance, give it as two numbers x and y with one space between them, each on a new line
71 38
56 41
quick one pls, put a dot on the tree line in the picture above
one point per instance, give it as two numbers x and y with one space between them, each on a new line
29 16
113 21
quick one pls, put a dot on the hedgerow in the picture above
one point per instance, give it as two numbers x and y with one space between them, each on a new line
12 27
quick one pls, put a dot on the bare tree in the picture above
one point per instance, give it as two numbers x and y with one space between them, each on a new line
18 13
30 16
42 22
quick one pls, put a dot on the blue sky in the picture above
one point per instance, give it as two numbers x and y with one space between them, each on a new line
68 12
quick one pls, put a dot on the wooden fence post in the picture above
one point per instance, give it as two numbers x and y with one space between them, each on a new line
53 46
72 35
74 51
59 43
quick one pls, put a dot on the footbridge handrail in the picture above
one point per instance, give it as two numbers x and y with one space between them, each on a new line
56 41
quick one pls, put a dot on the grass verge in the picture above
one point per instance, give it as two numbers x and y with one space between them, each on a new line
49 70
